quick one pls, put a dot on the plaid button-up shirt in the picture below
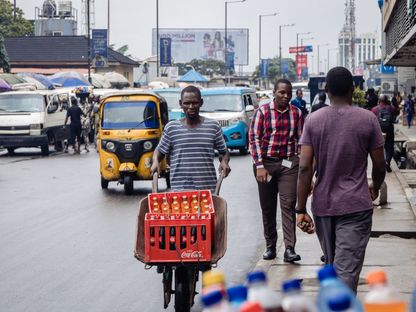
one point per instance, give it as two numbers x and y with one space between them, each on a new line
275 133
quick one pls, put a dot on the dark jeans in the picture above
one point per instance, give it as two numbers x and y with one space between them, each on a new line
283 183
389 145
344 240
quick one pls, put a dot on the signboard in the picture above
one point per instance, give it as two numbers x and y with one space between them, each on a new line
285 67
264 70
387 69
301 62
301 49
204 44
165 53
99 48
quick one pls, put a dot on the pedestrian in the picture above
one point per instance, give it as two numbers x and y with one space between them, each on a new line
74 113
340 138
274 134
386 115
396 101
300 103
321 102
190 143
371 98
409 110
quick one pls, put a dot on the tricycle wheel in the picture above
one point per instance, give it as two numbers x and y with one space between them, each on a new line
185 282
10 150
167 286
104 183
45 150
128 184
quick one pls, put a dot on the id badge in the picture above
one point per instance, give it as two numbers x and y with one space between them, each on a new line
287 163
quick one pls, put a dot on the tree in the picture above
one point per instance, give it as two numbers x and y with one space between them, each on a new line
204 67
275 71
4 59
9 27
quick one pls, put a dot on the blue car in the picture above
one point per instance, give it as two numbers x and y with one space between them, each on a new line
233 108
172 97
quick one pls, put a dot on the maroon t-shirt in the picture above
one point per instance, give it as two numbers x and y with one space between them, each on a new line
342 138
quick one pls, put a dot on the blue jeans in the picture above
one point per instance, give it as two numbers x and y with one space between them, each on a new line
409 118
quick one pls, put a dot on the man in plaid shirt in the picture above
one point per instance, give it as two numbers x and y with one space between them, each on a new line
275 131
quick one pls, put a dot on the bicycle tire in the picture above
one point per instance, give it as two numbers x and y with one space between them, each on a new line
167 286
185 282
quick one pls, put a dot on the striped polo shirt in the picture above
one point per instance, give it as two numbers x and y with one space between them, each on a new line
192 153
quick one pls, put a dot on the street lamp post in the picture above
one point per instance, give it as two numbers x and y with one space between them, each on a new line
226 37
321 45
335 49
108 21
89 41
260 16
297 52
157 38
14 11
280 45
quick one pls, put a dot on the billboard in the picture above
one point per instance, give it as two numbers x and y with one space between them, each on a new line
99 48
205 43
165 53
300 49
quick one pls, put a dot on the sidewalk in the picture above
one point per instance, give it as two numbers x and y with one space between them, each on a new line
387 248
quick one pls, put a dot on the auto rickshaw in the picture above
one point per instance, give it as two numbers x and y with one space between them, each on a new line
131 124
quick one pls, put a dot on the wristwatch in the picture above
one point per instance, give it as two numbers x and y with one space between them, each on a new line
301 210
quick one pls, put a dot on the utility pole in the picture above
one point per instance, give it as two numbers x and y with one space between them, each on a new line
14 11
157 38
89 41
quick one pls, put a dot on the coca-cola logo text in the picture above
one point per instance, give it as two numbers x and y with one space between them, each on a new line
191 254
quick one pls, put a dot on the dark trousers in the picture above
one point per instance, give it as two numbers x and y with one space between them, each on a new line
344 240
283 183
75 134
389 145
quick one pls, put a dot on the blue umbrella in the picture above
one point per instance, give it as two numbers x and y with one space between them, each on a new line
69 79
43 80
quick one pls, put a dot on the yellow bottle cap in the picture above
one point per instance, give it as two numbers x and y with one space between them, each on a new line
212 277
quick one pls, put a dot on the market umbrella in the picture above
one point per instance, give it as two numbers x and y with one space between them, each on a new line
4 86
12 79
42 79
99 81
69 79
117 80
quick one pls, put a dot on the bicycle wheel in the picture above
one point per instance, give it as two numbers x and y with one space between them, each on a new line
185 282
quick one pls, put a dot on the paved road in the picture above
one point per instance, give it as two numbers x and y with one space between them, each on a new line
67 245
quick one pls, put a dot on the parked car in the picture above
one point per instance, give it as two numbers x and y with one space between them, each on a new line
33 119
233 108
172 97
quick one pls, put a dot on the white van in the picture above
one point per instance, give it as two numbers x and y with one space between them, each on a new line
33 119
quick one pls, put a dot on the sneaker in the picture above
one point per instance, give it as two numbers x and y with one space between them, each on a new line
388 168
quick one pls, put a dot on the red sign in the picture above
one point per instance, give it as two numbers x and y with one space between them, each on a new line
301 62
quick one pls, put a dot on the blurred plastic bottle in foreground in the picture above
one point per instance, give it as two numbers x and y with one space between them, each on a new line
259 291
330 287
381 297
341 302
213 280
237 295
293 298
214 302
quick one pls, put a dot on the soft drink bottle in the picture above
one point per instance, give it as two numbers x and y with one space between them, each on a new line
330 285
172 238
165 205
294 300
193 235
213 280
237 295
194 204
162 244
214 302
185 205
382 298
183 237
152 236
259 291
175 205
155 206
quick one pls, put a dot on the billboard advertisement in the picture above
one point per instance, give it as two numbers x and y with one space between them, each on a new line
99 48
205 43
165 53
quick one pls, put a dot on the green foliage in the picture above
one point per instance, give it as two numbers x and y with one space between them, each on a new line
274 69
358 97
4 59
14 28
204 67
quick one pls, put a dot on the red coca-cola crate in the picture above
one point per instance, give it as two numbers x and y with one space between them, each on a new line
178 238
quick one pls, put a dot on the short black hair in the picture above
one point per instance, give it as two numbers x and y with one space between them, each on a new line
281 80
191 89
339 81
298 91
322 96
74 100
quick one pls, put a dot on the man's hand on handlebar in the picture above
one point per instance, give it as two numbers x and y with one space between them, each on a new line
155 168
224 168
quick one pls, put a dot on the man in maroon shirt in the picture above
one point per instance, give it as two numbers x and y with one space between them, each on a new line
274 134
339 138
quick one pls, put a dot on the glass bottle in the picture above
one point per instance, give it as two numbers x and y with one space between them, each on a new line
175 205
165 206
185 205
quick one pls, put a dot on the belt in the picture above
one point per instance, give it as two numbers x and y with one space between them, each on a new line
278 158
